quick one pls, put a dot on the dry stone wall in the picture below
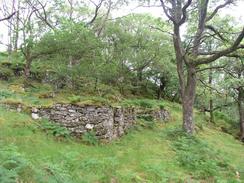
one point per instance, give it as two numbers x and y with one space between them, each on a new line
107 122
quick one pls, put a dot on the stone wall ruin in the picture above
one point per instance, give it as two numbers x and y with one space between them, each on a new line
107 122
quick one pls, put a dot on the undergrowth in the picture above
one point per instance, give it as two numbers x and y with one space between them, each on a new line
54 129
198 157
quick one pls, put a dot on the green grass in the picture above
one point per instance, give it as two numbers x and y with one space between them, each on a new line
30 152
143 155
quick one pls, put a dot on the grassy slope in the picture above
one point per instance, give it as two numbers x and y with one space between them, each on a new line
143 155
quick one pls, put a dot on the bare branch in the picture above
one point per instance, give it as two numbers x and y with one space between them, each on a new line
161 30
97 7
210 27
184 14
8 17
165 8
227 2
201 25
210 87
214 67
38 13
219 107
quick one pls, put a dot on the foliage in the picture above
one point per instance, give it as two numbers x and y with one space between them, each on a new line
149 154
74 99
127 61
6 73
5 94
197 156
144 103
90 138
12 164
146 122
54 129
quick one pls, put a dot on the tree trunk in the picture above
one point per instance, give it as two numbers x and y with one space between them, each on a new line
10 48
28 62
16 31
161 87
27 68
188 123
188 100
241 111
159 94
188 86
211 110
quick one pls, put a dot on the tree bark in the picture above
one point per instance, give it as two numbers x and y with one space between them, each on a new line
188 100
17 29
27 68
28 59
188 86
241 111
161 87
211 109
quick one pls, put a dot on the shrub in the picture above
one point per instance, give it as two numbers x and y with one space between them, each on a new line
54 129
17 68
157 173
74 99
13 165
103 168
46 95
90 138
146 121
145 103
5 94
223 116
197 156
54 173
6 73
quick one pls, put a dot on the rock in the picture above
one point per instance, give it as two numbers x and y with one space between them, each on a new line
35 116
89 126
19 109
34 110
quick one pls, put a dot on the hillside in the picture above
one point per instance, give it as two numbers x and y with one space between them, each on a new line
119 91
149 152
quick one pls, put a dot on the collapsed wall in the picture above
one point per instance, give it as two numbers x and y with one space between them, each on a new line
107 122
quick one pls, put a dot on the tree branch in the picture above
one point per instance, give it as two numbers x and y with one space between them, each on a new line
184 13
161 30
210 27
97 7
217 9
206 85
8 17
224 52
214 67
201 25
165 8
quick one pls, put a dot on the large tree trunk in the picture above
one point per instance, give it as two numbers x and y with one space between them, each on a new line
241 111
188 100
188 86
188 123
